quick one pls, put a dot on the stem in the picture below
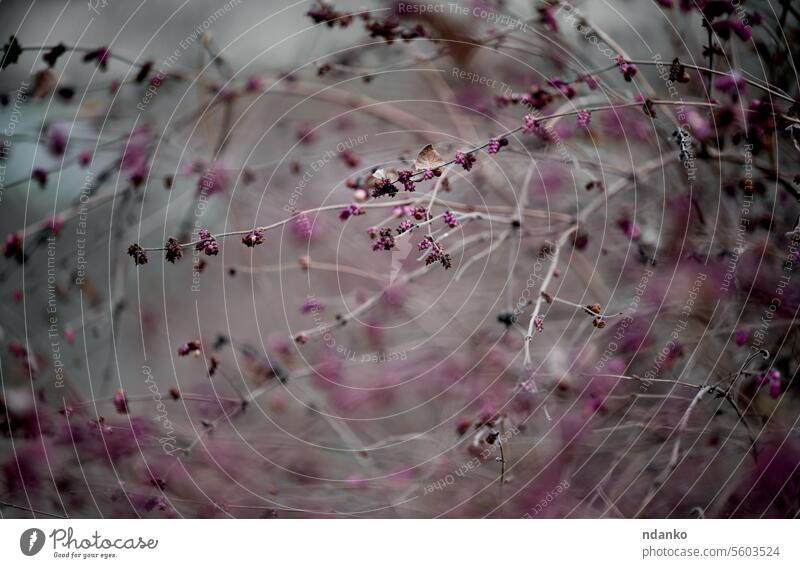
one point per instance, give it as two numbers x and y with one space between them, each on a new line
449 163
30 510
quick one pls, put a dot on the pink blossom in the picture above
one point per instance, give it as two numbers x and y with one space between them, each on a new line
741 337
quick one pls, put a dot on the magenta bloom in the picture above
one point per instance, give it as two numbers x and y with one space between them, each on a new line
733 84
566 89
588 80
121 402
40 175
404 177
495 144
55 224
85 158
101 55
190 347
352 210
773 378
311 305
465 160
215 179
405 225
531 125
255 84
253 238
628 227
628 70
741 337
135 151
207 244
57 137
302 226
13 246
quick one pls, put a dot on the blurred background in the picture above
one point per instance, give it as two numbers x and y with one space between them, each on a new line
181 389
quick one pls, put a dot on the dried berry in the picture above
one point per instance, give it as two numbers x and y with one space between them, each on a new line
138 253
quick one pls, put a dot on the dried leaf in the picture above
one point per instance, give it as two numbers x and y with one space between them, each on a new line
385 173
44 81
428 159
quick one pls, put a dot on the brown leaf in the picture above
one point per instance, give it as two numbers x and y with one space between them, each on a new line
385 173
428 159
44 81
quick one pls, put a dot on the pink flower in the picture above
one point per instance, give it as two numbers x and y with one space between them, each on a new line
566 89
121 402
13 246
699 125
192 347
55 224
404 177
279 343
628 70
255 84
588 80
629 228
385 241
85 158
405 226
215 179
207 243
773 377
465 160
547 17
495 144
306 134
302 226
57 137
595 402
741 337
253 238
311 305
350 158
352 210
40 175
531 125
403 210
101 55
584 117
733 84
135 153
450 219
